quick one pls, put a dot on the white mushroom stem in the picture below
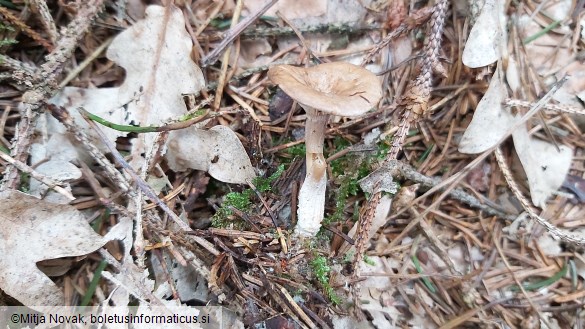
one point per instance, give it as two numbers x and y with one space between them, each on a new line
312 194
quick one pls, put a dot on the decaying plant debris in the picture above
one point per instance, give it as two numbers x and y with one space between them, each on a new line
456 201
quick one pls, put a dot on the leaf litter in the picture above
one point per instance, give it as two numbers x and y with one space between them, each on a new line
406 280
152 93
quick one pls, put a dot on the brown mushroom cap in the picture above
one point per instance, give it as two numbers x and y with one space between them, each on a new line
336 88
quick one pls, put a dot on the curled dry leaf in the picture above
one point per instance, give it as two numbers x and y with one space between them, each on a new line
483 47
217 151
35 230
490 121
155 52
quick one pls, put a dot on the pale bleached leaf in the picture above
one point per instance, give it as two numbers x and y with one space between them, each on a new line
559 9
349 322
490 121
545 166
380 218
217 150
34 230
188 284
291 9
513 74
58 170
483 45
102 102
549 245
155 52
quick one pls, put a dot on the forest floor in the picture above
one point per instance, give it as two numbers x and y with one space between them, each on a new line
169 164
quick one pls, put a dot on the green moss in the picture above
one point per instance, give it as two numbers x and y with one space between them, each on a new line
348 257
242 200
297 150
369 261
321 270
348 171
238 200
263 184
383 148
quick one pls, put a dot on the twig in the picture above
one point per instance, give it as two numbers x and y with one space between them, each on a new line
231 35
562 234
44 86
46 19
51 183
547 107
415 103
144 187
63 116
396 168
260 33
419 17
16 66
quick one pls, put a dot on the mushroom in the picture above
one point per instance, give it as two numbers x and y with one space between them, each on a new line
332 88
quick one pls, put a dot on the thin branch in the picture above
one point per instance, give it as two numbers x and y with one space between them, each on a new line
46 19
562 234
44 86
50 182
233 33
415 104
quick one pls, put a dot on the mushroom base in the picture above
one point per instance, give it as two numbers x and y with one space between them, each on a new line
312 197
